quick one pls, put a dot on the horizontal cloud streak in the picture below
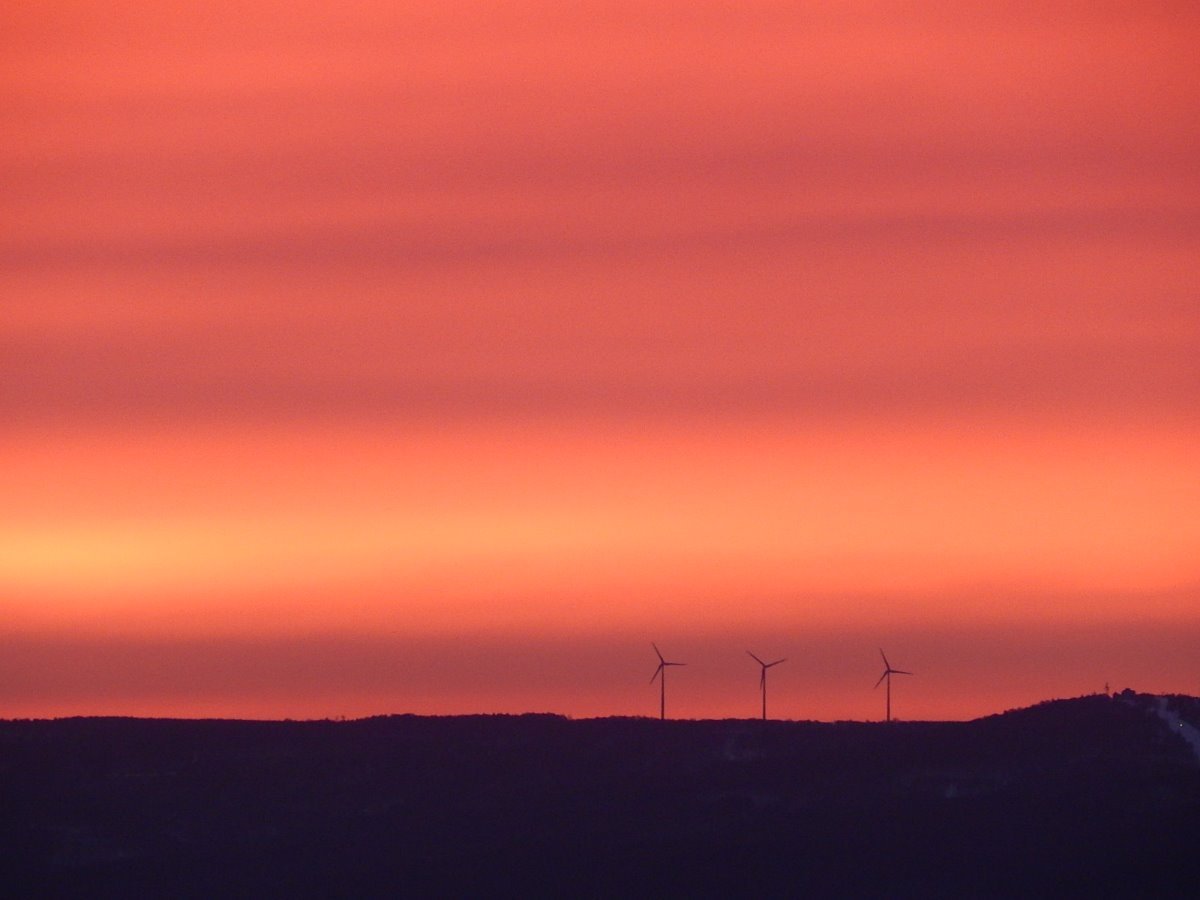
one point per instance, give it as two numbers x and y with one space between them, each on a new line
1150 377
385 245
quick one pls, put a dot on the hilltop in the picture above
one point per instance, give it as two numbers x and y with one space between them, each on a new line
1097 794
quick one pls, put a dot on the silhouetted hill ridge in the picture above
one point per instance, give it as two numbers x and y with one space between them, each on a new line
1095 793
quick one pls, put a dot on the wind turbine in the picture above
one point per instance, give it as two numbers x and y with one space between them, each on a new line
888 672
662 671
762 682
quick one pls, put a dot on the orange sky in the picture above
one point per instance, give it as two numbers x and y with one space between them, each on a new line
398 358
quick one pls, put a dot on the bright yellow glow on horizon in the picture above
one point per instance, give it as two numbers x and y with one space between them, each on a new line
583 524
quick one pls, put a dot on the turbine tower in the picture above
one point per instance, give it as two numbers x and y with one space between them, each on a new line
888 672
662 671
762 681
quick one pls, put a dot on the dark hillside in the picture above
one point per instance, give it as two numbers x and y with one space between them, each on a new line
1093 795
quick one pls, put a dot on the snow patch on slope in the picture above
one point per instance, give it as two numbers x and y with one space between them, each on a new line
1171 719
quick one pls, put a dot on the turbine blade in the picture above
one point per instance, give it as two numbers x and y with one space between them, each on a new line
755 658
900 672
885 674
657 672
886 664
777 662
656 651
762 679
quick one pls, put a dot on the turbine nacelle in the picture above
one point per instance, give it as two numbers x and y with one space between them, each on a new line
662 663
888 671
762 678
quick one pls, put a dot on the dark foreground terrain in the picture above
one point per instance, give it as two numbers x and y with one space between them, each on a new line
1096 796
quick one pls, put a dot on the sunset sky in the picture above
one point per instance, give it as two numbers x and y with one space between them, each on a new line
381 357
